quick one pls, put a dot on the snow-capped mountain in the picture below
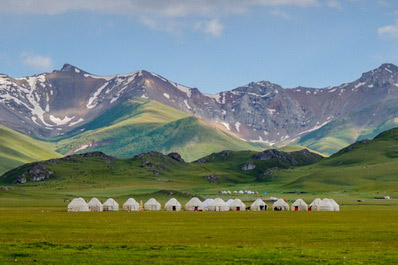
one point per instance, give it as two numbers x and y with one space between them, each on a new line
50 104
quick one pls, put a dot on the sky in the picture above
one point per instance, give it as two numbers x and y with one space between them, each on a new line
214 45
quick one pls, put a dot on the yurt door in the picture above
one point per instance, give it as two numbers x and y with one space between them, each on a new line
174 208
238 209
296 208
196 208
310 208
261 207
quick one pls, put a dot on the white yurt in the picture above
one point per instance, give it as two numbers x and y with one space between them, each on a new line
206 204
111 205
258 205
299 205
229 202
95 205
194 205
172 205
314 206
237 205
280 205
218 205
336 206
152 205
78 205
131 205
325 205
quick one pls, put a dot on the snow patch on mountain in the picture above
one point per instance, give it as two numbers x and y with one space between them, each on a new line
59 121
93 100
226 125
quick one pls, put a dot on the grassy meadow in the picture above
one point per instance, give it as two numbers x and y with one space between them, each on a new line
50 235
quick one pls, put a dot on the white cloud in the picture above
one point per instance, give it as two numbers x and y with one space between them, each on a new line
389 31
334 4
168 8
37 62
212 27
280 13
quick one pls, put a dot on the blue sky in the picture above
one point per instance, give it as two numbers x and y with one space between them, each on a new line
213 45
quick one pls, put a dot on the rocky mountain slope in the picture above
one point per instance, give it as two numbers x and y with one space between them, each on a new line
53 104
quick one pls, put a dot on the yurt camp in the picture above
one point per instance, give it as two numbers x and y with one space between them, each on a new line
172 205
218 205
299 205
95 205
314 206
152 205
111 205
206 204
258 205
325 205
280 205
78 205
237 205
131 205
194 204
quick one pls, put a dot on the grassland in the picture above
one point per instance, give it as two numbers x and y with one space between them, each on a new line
50 235
17 149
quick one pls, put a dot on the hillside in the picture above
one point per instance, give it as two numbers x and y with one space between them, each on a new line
142 125
17 149
97 174
367 165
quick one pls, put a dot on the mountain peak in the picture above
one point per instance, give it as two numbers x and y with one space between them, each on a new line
70 68
386 70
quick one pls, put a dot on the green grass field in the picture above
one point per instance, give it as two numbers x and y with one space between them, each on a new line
364 234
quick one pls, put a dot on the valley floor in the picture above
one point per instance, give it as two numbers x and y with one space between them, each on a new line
366 234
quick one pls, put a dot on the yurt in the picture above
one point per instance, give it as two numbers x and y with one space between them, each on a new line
131 205
218 205
152 205
258 205
194 205
237 205
95 205
111 205
280 205
78 205
172 205
299 205
206 204
336 206
314 206
325 205
229 202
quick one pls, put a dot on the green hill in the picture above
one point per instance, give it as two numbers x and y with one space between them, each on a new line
140 125
17 149
368 165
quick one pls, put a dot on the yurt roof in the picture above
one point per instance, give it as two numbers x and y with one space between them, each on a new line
173 201
218 201
195 201
299 202
94 201
131 201
237 202
110 202
230 201
316 202
259 201
280 202
152 201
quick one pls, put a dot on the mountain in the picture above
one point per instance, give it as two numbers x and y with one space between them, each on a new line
52 105
140 125
367 165
17 149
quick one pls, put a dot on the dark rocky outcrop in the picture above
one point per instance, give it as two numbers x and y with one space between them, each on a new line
72 158
176 156
273 153
37 172
212 178
249 165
